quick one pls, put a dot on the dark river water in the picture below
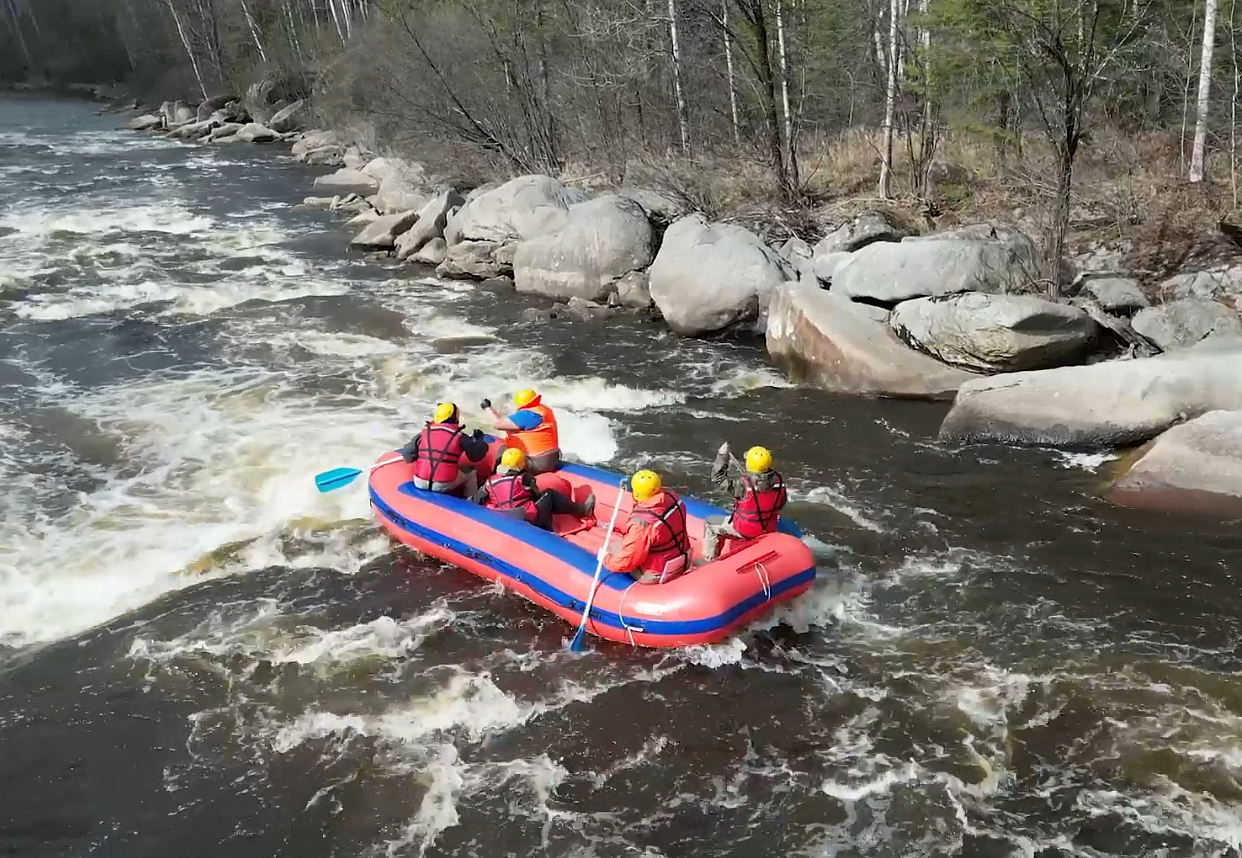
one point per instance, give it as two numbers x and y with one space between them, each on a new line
202 656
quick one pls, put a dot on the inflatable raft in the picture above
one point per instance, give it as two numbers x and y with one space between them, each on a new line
555 570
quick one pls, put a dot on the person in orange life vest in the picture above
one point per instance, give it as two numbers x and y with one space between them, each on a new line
656 548
436 454
532 429
758 498
512 491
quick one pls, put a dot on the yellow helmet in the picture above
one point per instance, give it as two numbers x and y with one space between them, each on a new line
758 460
524 397
513 459
644 484
445 412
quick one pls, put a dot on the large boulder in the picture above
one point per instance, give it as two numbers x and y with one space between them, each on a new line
520 209
289 118
194 130
471 259
662 207
432 253
634 291
1109 404
1194 467
176 113
1182 323
224 132
215 103
1120 295
319 147
842 347
710 276
603 239
346 181
858 233
403 184
430 225
995 333
825 267
382 232
147 122
255 133
971 259
1223 283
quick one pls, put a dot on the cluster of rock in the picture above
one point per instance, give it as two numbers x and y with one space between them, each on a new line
870 310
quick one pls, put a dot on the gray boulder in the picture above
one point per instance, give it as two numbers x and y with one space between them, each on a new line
842 347
1195 467
825 267
432 253
193 130
1119 295
174 113
471 259
255 133
662 207
216 103
1109 404
319 147
978 259
1218 283
995 333
223 132
633 291
795 248
431 220
402 184
383 231
709 276
1182 323
288 119
519 209
858 233
147 122
346 181
602 240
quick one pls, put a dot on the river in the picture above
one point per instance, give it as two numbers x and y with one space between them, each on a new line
202 656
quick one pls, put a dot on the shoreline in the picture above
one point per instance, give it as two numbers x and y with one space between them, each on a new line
873 309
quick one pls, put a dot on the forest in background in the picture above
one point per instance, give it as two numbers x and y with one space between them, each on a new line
1113 118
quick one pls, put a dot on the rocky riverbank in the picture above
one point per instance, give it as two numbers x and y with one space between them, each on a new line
871 309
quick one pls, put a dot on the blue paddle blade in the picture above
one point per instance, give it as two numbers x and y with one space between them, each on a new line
335 478
785 525
576 644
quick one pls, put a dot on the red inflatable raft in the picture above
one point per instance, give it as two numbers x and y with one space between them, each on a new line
555 569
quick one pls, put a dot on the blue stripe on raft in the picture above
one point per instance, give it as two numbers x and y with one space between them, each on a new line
536 537
666 628
697 508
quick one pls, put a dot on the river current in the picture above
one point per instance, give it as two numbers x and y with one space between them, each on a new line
202 656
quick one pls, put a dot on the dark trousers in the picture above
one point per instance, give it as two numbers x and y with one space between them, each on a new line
549 503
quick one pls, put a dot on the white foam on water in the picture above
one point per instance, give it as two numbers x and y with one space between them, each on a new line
835 498
214 458
1084 461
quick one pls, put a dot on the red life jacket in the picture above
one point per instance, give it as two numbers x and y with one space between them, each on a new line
756 513
439 453
507 491
669 554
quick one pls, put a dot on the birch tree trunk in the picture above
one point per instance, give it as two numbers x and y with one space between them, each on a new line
1233 104
336 20
890 100
189 49
791 161
15 24
254 30
1197 171
728 45
683 118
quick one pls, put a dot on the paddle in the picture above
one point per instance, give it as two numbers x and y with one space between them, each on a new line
340 477
577 643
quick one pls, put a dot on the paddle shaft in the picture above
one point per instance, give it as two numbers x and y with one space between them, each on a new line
599 565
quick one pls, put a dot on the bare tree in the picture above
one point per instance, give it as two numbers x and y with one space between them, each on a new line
890 100
1197 154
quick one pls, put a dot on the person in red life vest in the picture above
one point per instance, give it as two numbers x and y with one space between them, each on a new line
512 491
436 454
758 498
656 548
531 428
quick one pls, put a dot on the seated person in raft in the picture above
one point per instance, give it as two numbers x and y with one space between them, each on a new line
758 498
436 454
512 491
656 547
531 428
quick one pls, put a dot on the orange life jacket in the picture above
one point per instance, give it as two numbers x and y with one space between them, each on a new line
439 453
669 554
542 438
757 511
508 491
